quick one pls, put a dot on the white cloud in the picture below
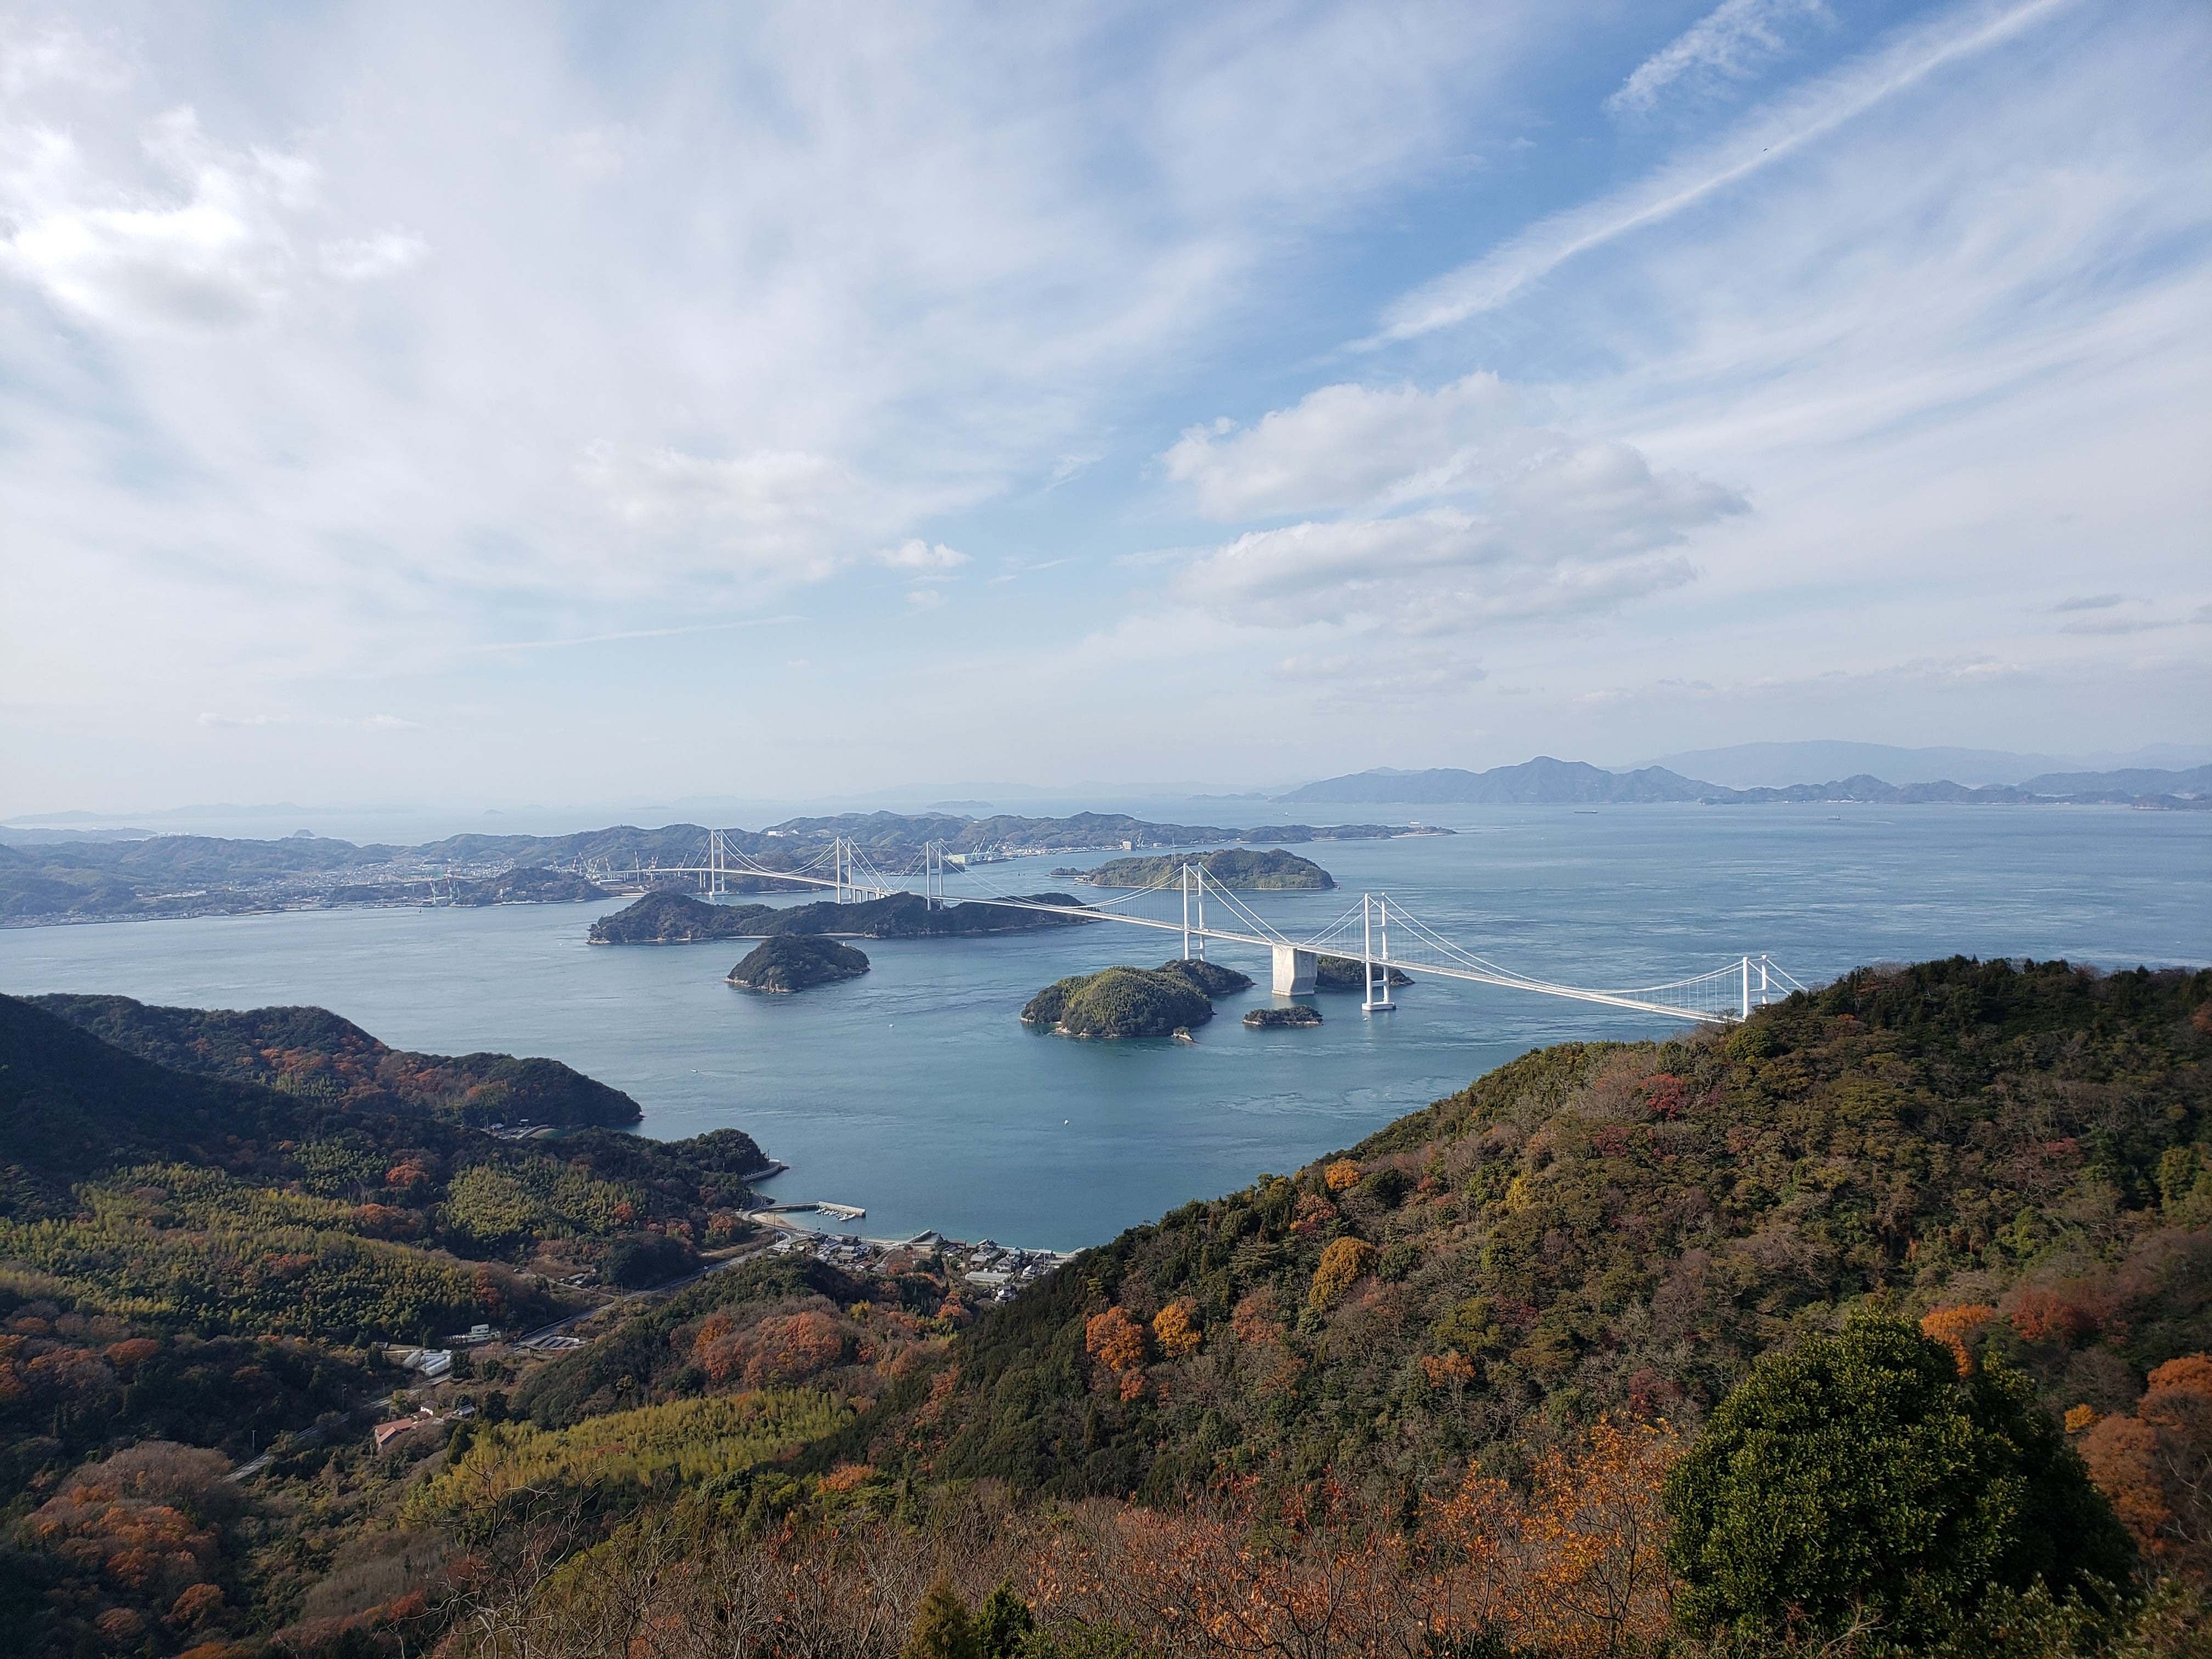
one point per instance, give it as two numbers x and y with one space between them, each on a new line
199 237
1529 524
785 515
439 342
1825 107
207 248
371 258
924 599
1729 44
1346 444
682 345
53 56
914 554
1588 530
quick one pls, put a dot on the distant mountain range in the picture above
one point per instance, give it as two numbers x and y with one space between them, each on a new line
1546 781
82 879
1755 765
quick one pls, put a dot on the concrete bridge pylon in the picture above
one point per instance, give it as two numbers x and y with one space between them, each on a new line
1294 970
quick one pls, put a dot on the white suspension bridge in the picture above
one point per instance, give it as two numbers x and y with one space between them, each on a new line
1363 933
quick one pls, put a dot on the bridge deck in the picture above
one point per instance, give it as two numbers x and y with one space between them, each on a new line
1723 994
1354 953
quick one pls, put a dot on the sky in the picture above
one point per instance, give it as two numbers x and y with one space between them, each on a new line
469 406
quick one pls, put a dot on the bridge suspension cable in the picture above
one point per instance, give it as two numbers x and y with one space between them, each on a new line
1362 933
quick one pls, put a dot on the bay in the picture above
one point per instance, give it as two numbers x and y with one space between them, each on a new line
914 1092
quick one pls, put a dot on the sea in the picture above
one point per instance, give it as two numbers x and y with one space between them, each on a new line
915 1093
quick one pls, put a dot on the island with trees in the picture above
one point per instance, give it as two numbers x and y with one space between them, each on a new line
793 962
1238 869
1288 1016
1119 1002
1134 1002
679 919
1351 974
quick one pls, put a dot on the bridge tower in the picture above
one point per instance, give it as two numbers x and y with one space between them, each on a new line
1375 917
717 877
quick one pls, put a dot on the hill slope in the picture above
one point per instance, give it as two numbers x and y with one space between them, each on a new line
312 1053
1626 1226
1239 869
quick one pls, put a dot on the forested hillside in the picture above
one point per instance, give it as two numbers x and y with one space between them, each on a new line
1626 1227
349 1201
1877 1324
312 1054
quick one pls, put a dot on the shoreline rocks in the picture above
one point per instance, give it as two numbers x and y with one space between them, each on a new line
1296 1015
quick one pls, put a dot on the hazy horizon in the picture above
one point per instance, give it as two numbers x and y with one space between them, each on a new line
537 405
1184 801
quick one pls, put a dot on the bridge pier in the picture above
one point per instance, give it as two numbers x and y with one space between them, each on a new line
1294 971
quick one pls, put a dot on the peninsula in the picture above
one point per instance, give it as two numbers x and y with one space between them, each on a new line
677 919
792 962
1239 869
313 1053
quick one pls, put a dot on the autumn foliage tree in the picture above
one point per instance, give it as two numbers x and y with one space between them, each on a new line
774 1351
1959 1328
1343 1264
1176 1328
2155 1464
140 1534
1115 1340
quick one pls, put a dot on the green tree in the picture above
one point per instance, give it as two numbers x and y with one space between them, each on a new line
942 1629
1004 1624
1857 1476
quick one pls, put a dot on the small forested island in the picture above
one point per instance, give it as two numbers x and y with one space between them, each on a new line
1119 1002
792 962
1239 869
1349 974
679 919
1296 1014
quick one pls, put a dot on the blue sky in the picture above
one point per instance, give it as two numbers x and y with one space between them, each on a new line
477 404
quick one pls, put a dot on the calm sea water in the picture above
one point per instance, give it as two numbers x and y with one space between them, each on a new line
915 1092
